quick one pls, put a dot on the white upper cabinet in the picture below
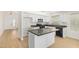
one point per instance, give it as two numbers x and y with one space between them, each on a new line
37 12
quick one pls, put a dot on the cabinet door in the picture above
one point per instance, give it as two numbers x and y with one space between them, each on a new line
44 41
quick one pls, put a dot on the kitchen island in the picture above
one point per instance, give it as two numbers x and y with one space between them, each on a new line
62 29
41 38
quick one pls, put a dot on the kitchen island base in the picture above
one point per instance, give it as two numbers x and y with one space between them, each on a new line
42 41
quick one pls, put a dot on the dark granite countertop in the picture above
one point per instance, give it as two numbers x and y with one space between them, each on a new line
43 31
51 25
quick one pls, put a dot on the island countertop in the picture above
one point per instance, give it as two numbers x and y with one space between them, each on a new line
43 31
51 25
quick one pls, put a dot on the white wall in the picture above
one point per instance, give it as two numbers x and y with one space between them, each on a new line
9 16
1 23
20 25
73 29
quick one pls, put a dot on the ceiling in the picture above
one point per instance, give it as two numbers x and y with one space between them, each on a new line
52 13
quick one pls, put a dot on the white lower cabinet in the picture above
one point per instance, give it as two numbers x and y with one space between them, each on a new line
41 41
64 32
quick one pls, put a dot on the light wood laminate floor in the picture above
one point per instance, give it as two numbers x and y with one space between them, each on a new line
9 39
